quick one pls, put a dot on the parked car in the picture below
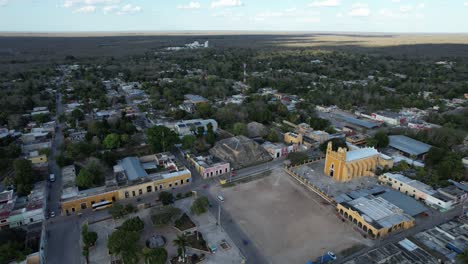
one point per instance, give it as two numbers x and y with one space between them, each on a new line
52 214
220 198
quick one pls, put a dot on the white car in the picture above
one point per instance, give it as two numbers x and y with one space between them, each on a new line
220 198
52 214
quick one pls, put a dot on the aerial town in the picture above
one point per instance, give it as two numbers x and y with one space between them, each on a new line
211 148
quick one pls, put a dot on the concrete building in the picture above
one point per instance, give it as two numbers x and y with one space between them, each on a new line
318 135
277 150
375 216
209 166
34 210
7 203
343 165
133 176
293 138
391 118
417 190
190 127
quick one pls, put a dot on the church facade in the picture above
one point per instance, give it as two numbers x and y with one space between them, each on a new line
343 165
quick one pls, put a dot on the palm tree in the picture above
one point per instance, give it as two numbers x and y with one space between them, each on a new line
181 242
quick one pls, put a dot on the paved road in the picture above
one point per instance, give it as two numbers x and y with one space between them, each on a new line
63 232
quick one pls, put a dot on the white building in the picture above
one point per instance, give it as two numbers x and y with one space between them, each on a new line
417 190
190 127
277 150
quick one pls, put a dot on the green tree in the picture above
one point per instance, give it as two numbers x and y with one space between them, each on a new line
272 136
239 129
111 141
463 257
380 140
188 142
63 160
297 157
181 243
166 198
133 224
155 256
124 243
210 135
77 114
161 138
84 179
24 178
336 143
200 205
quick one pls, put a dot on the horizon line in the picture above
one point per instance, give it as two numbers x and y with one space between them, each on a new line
7 33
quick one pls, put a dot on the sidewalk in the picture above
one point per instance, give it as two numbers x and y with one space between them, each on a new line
213 234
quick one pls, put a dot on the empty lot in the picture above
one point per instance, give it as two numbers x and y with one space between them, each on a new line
288 223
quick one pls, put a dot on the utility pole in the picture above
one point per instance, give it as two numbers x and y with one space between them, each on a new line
219 214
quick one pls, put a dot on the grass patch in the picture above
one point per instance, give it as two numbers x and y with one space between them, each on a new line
197 241
184 223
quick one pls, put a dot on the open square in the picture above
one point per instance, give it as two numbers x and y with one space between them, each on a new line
287 222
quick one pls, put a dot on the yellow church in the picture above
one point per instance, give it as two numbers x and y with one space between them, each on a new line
344 165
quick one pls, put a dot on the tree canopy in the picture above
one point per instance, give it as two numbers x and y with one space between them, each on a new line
161 138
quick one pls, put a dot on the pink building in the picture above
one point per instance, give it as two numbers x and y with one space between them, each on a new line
209 166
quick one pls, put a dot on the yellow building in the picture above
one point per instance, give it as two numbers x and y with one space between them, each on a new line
39 159
292 138
344 165
133 177
375 216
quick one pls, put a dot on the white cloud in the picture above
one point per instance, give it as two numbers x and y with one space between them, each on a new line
421 5
226 3
191 5
465 4
359 10
71 3
292 9
396 1
128 9
406 8
325 3
85 9
110 9
3 2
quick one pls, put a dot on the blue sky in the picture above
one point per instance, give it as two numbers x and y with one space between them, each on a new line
301 15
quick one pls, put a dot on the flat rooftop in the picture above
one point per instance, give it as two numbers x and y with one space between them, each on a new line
408 145
361 153
413 183
359 122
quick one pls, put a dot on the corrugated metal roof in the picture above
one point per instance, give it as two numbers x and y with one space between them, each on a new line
359 122
407 204
133 168
408 145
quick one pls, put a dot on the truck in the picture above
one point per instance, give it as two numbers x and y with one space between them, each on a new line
52 177
328 257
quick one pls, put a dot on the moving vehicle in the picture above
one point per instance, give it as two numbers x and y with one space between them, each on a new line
52 214
328 257
52 177
220 198
102 205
